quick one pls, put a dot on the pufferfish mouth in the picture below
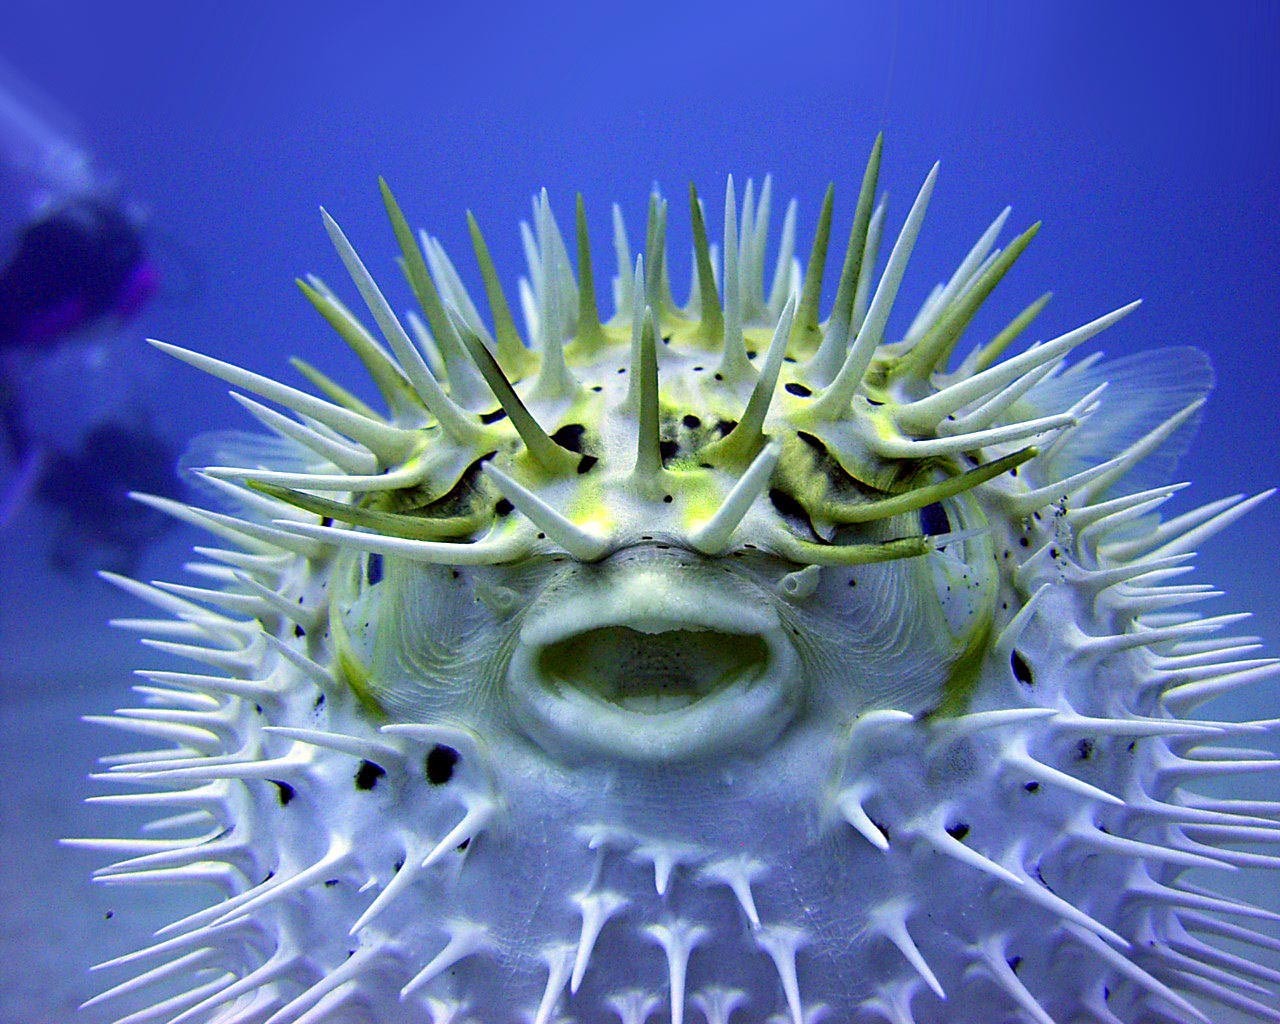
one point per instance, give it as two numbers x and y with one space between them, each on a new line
654 664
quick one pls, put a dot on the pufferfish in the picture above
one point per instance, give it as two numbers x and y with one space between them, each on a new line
715 663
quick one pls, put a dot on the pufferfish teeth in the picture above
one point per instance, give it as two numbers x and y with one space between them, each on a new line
738 659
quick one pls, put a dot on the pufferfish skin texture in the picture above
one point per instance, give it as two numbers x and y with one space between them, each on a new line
715 663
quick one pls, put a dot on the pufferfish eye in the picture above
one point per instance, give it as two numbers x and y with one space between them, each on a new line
934 520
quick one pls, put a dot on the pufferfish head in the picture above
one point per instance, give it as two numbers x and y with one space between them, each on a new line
713 661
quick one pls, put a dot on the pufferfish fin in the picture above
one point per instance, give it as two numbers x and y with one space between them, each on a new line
1143 390
239 448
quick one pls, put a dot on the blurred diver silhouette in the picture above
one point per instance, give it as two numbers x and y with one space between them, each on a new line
74 262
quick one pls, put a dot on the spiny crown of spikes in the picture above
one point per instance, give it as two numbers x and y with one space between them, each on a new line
739 418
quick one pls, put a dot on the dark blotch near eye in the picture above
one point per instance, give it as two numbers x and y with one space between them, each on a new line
368 774
1021 670
934 520
691 421
799 390
787 505
789 508
440 764
373 569
502 507
668 450
585 463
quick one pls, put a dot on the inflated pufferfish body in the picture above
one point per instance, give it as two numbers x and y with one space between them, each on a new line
712 663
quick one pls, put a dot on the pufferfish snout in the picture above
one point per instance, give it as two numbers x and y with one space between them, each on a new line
658 655
726 662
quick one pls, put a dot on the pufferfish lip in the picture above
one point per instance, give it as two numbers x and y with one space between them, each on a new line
656 666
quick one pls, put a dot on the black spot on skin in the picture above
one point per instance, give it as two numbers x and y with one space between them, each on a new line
1084 750
493 417
852 582
329 883
441 761
327 521
667 499
570 436
398 865
299 632
691 421
958 831
752 353
502 508
718 376
1021 670
788 359
373 569
368 774
257 709
585 463
1014 963
462 846
1014 471
666 339
799 390
284 792
319 703
668 450
1053 552
454 574
1133 745
1031 787
109 915
934 520
723 427
597 388
698 369
812 441
1024 542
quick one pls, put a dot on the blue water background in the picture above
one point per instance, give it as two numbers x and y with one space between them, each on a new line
1146 136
